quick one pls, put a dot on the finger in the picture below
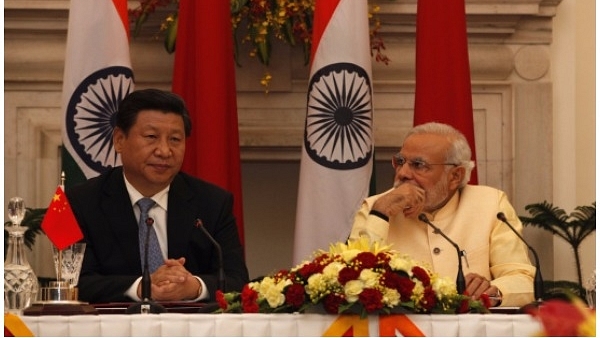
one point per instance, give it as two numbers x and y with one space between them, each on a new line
175 262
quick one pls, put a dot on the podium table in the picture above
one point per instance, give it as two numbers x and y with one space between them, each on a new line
185 324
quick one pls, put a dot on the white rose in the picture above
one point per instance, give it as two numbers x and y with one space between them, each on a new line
369 277
352 289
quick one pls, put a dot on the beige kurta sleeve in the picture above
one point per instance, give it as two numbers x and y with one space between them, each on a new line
369 225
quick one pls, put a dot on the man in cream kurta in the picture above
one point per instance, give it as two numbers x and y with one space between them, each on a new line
432 169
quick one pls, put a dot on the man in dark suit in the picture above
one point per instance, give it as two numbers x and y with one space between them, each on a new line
150 133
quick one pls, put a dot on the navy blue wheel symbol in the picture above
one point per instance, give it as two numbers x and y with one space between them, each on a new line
90 116
339 117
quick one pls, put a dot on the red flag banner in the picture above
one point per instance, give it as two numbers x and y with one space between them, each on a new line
443 78
204 76
59 223
337 153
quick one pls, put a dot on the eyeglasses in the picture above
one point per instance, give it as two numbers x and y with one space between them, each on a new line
415 165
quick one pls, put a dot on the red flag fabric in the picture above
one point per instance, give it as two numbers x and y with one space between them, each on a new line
204 76
59 223
337 153
443 78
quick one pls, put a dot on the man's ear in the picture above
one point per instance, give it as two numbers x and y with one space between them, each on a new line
118 139
456 176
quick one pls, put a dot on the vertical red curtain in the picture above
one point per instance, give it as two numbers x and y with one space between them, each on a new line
204 76
443 78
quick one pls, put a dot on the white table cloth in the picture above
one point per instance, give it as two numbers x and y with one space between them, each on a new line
251 325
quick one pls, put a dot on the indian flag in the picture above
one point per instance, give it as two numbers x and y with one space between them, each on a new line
337 153
96 78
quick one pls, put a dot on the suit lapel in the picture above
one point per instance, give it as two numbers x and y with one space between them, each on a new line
119 212
180 217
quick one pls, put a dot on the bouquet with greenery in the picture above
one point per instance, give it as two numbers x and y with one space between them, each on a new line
355 277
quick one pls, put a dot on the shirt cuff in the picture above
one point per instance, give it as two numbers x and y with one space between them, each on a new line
132 291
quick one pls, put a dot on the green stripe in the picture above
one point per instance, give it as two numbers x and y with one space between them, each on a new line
73 174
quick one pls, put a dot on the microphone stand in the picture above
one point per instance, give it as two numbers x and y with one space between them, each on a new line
146 305
221 274
538 282
461 284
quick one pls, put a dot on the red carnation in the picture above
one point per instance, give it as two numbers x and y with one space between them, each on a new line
371 299
280 274
485 299
422 275
383 258
332 303
366 260
463 306
249 298
429 300
347 274
405 287
308 270
559 317
221 300
294 295
390 279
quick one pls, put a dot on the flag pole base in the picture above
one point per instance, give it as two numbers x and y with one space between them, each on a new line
60 309
59 299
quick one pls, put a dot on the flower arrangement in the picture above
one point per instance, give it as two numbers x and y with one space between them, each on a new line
261 22
355 277
565 317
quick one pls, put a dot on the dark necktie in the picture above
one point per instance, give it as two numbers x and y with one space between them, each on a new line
155 258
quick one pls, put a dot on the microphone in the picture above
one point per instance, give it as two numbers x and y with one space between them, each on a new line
538 283
146 305
221 275
461 284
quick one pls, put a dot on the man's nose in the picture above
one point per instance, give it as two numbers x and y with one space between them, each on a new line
163 148
403 172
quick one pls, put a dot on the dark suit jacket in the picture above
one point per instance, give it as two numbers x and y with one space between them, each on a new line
112 257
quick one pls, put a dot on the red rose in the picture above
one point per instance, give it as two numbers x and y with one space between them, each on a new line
422 275
332 303
371 299
366 260
221 300
294 295
347 274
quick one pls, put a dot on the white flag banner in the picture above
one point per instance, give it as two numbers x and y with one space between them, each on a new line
337 153
96 78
